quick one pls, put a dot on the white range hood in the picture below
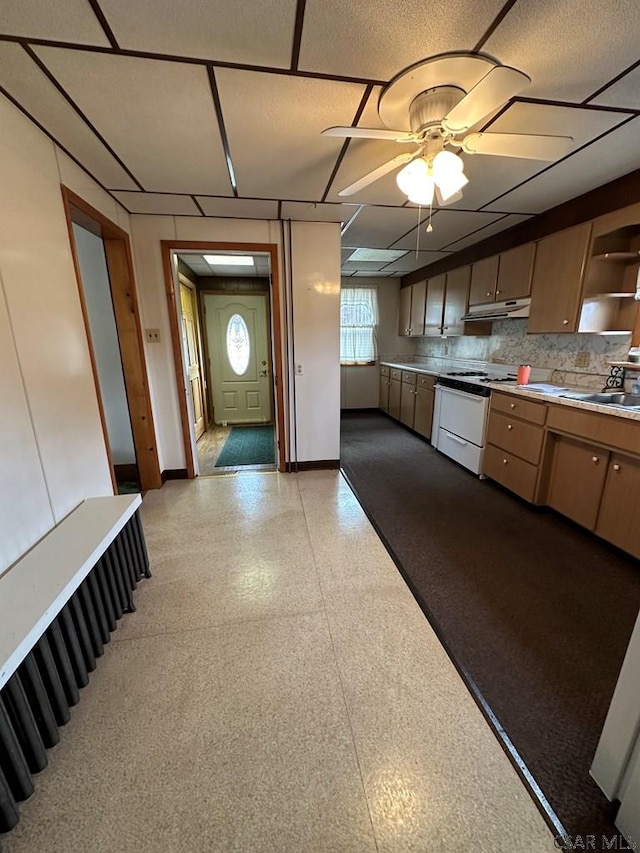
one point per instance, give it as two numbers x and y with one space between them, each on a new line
511 309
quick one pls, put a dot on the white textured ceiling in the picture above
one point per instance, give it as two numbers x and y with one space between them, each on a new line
167 104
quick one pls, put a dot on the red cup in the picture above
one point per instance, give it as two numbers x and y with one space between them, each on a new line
524 372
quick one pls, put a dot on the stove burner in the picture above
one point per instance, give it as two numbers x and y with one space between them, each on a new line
486 378
466 373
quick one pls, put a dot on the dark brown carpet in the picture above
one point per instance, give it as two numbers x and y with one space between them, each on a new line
537 612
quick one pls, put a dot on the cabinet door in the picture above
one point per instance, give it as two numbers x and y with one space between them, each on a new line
455 300
434 305
394 398
556 287
383 394
423 415
418 301
484 281
619 518
404 315
407 404
515 273
578 473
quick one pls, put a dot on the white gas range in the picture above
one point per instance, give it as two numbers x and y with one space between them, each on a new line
461 410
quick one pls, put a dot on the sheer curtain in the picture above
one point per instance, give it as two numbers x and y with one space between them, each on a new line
358 322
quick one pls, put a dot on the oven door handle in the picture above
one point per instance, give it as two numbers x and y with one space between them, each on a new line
467 395
455 438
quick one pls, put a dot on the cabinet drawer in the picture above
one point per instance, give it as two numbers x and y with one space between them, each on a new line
426 381
528 410
518 437
408 377
384 371
604 429
396 373
514 474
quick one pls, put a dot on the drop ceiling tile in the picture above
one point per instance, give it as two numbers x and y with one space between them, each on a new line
352 266
508 221
22 79
379 227
64 20
304 211
274 123
448 225
611 157
152 128
376 39
569 49
624 93
410 262
242 31
239 208
172 205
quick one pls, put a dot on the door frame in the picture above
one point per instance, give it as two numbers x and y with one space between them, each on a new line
169 246
183 281
117 248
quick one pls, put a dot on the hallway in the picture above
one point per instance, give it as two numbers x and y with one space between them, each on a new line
278 689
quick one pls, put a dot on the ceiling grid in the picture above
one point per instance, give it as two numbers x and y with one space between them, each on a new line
241 136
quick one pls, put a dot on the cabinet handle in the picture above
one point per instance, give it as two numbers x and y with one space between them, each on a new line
565 322
595 459
616 467
505 461
513 405
509 426
498 292
489 293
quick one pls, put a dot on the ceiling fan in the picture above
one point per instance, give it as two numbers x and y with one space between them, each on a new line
433 105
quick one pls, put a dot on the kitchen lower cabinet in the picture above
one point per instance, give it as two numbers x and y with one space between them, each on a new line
618 521
395 390
578 473
408 398
383 389
423 414
511 472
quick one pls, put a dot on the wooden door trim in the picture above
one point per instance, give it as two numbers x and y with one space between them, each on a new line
127 317
167 246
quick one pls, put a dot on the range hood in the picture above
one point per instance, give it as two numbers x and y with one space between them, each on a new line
512 308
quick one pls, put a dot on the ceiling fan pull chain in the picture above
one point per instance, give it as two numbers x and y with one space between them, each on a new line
418 233
430 226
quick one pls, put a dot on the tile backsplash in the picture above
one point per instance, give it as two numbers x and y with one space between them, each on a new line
579 359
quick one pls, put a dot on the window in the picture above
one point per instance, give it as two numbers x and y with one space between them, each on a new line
238 346
358 322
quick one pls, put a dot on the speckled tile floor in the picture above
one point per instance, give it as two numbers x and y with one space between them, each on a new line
277 690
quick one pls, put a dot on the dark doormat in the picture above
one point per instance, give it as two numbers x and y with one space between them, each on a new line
248 445
535 612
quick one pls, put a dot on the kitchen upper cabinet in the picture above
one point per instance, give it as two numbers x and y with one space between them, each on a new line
515 273
484 281
578 472
434 305
556 287
418 303
456 300
404 311
618 518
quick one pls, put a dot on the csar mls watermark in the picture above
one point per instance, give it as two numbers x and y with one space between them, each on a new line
593 842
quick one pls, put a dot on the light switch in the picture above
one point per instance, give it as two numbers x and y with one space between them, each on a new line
152 336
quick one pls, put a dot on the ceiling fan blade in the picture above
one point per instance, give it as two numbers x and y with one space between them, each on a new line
518 145
370 133
380 172
495 89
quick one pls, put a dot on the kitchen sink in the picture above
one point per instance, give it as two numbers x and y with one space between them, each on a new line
611 398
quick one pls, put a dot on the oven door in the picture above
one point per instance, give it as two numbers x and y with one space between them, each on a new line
463 415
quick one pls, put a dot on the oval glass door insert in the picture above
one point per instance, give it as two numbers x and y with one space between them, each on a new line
238 345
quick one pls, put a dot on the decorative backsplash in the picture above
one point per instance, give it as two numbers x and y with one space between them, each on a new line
510 344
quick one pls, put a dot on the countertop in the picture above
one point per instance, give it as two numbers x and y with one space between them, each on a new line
523 391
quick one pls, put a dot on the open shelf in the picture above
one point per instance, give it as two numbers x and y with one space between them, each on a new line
620 257
628 365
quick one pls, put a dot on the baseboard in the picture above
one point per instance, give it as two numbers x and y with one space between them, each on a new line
127 473
365 410
316 465
174 474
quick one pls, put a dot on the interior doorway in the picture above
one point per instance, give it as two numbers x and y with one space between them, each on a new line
227 354
106 286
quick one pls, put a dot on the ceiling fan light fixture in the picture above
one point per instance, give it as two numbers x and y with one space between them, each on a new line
422 193
451 186
413 176
446 167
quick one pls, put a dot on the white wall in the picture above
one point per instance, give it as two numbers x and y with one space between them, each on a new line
52 449
104 337
316 256
359 383
316 339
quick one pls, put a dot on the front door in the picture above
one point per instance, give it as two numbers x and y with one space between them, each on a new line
237 328
194 373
